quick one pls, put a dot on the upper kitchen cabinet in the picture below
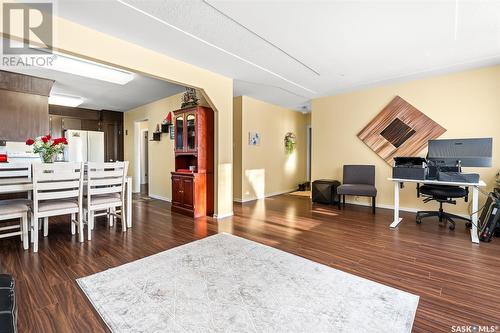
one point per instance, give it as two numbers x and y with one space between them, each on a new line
24 107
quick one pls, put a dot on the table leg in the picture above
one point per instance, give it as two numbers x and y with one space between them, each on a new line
475 204
397 219
128 210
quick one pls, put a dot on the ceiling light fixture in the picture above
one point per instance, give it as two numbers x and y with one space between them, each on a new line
71 65
215 46
65 100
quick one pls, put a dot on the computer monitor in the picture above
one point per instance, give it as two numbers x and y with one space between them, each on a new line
461 152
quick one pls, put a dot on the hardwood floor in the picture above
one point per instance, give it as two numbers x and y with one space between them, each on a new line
458 282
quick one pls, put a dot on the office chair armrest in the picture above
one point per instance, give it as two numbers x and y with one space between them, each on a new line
418 190
466 198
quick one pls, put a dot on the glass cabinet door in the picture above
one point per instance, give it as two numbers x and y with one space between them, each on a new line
179 132
191 131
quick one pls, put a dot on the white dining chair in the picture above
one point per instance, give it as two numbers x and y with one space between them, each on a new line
105 193
57 190
12 209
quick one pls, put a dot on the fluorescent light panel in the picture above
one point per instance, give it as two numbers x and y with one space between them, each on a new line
66 64
65 100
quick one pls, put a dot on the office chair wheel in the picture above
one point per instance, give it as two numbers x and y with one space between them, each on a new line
419 221
452 227
468 225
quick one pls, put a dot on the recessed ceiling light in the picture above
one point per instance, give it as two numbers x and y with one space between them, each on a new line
80 67
65 100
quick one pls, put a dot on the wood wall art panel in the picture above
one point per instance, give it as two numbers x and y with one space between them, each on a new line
399 130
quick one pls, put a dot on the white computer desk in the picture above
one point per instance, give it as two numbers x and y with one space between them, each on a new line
475 198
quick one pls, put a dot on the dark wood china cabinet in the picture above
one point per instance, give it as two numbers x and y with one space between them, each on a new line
193 178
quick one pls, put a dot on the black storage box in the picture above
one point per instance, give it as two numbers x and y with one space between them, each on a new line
409 173
458 177
325 191
8 306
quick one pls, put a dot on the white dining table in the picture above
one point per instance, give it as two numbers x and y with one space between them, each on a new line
19 185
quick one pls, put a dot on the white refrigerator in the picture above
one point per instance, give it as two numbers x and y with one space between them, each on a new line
84 146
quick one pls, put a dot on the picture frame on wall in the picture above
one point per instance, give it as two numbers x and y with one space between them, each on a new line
253 138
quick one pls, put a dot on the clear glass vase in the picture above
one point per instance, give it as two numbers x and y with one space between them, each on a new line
48 158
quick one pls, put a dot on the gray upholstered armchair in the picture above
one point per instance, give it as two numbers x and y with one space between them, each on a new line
358 180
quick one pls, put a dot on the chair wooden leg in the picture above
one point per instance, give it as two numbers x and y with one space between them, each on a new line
343 200
373 205
73 226
32 227
25 231
123 218
80 227
111 217
45 226
35 235
89 224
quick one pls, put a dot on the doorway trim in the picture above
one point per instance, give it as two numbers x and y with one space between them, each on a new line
144 131
137 155
309 152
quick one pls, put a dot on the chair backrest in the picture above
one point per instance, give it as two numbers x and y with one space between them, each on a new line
359 174
15 170
106 178
57 181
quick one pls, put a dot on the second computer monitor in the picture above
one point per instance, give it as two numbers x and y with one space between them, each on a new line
463 152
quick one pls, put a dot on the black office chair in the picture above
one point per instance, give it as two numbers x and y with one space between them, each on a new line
442 194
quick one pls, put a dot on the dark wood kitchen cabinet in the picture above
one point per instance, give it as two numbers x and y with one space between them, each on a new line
193 180
62 118
112 126
23 106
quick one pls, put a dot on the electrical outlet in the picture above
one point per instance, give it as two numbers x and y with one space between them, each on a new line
3 143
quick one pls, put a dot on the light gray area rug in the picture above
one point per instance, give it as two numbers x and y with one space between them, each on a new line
225 283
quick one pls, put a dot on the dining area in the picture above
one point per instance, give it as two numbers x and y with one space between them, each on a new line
34 192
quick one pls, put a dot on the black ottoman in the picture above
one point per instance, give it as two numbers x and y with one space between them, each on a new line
325 191
8 306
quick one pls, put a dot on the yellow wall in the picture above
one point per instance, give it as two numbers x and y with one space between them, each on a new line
161 153
467 104
267 169
237 145
75 39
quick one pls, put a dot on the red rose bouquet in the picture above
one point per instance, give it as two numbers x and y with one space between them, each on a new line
47 147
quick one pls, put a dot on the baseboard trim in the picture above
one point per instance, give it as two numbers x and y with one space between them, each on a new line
223 216
267 195
159 197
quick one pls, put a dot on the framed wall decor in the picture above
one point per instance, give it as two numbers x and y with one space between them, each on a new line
399 129
253 138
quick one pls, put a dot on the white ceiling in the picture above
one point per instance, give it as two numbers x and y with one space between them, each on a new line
101 95
287 52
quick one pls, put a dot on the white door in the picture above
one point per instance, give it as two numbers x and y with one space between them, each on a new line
95 146
76 150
